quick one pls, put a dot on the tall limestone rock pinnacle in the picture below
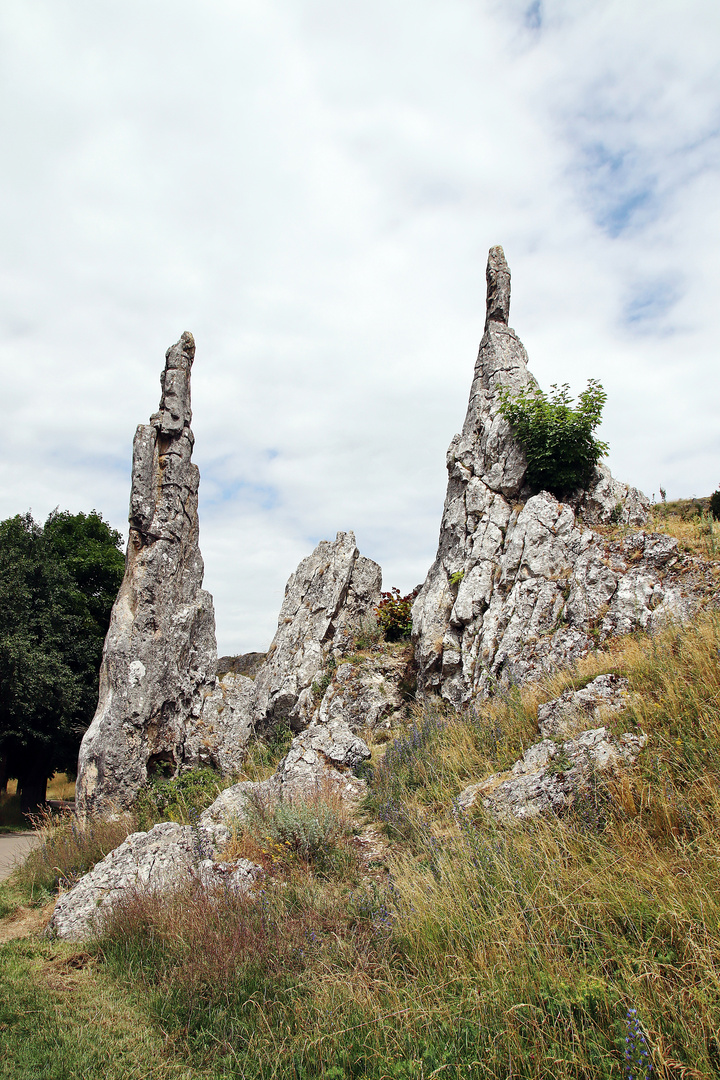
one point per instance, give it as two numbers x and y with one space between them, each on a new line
507 595
160 653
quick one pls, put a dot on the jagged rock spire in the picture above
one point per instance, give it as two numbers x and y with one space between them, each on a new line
498 287
505 557
160 652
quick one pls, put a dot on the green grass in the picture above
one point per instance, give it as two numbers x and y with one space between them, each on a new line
62 1018
463 950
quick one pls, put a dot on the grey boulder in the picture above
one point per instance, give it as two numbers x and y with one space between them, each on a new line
553 777
154 861
575 710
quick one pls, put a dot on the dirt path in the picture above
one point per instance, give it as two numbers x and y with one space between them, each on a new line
13 848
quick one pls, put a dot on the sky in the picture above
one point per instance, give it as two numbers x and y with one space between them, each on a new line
311 187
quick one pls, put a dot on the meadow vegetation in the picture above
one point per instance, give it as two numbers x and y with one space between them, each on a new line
411 940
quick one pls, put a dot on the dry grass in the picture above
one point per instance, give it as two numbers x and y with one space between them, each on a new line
67 850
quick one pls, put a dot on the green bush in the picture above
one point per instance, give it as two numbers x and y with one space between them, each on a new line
558 439
394 614
179 798
715 504
308 832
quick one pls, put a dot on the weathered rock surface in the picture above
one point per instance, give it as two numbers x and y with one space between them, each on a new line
152 861
221 734
331 591
552 777
160 651
247 664
520 585
576 710
320 761
367 693
318 764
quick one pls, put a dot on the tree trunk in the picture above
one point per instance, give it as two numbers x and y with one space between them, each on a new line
3 771
33 790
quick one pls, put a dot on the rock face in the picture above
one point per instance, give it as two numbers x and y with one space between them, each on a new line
219 737
154 862
367 693
568 765
331 591
519 583
160 652
552 777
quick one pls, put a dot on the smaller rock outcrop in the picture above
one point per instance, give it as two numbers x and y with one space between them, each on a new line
329 594
370 691
553 777
570 764
319 765
320 761
577 710
152 861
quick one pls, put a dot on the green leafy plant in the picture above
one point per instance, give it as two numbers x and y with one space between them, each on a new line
715 504
177 798
558 439
307 832
394 613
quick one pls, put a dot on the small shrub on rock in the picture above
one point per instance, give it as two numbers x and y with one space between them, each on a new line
367 634
558 439
290 831
394 614
178 798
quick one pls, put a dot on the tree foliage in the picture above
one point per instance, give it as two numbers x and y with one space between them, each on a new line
558 440
57 587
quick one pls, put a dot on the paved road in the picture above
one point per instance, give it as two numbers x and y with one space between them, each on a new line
13 848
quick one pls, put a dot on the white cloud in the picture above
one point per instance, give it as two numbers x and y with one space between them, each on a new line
311 188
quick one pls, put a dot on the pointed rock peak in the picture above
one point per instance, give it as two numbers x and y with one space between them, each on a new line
175 412
498 287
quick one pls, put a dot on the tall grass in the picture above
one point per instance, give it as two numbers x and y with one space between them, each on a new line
467 949
67 850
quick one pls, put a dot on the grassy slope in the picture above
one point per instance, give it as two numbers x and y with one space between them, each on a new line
455 949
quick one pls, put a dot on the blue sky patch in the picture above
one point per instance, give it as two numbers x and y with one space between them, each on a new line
649 305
